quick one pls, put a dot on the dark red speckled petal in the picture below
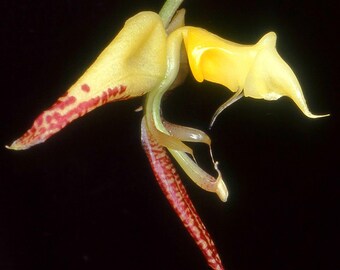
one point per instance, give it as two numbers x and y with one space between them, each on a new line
175 192
65 110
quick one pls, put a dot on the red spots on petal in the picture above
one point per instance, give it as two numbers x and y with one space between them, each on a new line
122 90
70 100
67 102
105 97
172 187
66 109
42 130
39 121
64 102
57 116
85 88
49 119
112 92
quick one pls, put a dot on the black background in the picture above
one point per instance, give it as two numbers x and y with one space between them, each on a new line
87 198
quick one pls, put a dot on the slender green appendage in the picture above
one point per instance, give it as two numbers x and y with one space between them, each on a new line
238 94
154 97
155 124
187 134
154 120
168 10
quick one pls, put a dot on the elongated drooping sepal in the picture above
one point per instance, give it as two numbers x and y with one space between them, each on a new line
175 192
131 65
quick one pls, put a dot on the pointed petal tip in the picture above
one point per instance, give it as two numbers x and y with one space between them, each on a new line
12 147
16 145
319 116
310 115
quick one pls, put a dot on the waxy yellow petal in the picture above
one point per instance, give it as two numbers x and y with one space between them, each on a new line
131 65
256 69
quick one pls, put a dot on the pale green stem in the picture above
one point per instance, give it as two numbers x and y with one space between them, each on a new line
154 97
153 111
168 10
155 124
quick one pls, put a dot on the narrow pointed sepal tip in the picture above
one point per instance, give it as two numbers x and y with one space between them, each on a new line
16 146
310 115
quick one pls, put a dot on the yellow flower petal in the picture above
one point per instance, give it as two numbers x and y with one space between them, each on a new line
131 65
256 69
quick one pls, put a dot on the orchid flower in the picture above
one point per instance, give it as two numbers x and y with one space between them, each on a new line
150 55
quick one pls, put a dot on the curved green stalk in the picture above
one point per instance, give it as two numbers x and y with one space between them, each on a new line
154 97
155 124
168 10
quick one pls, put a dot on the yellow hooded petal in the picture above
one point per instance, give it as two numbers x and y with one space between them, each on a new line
270 77
217 60
131 65
256 69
